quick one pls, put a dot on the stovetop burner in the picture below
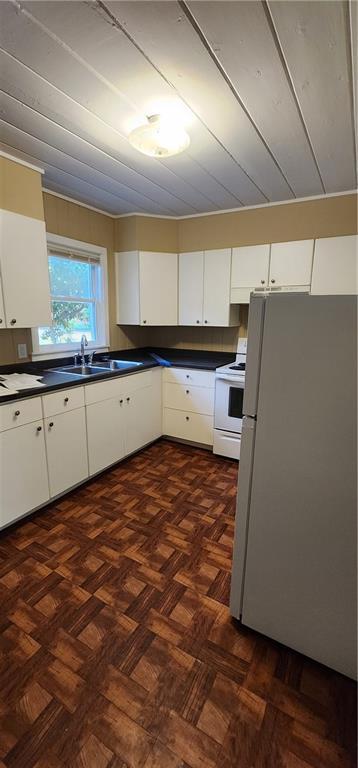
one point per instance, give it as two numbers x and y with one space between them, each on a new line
239 367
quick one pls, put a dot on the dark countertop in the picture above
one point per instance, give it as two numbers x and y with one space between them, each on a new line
53 380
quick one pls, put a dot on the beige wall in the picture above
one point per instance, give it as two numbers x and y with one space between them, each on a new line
20 189
144 233
326 217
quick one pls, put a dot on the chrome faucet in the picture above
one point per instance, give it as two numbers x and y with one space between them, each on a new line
84 343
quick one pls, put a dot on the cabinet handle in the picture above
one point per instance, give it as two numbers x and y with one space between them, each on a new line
51 424
66 399
17 413
13 321
120 402
0 320
187 375
198 321
187 391
263 282
205 321
273 280
39 429
187 418
128 399
144 322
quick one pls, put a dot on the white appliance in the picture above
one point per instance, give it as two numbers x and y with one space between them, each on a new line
228 409
294 560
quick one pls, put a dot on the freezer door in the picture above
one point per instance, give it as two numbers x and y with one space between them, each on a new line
300 575
242 515
253 357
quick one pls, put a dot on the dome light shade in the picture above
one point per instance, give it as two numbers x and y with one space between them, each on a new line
159 137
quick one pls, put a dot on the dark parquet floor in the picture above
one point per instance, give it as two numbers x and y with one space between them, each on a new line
117 648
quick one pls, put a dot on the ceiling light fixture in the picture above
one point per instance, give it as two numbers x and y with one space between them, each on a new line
161 137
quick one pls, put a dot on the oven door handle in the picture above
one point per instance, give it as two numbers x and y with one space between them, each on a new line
234 379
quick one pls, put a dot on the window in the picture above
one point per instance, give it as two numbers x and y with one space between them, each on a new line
78 282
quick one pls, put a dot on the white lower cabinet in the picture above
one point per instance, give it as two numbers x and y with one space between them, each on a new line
126 422
23 471
66 448
188 404
105 433
196 427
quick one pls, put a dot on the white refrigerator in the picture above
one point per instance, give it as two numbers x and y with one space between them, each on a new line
294 574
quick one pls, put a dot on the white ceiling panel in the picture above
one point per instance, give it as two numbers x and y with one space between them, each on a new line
258 76
314 37
266 90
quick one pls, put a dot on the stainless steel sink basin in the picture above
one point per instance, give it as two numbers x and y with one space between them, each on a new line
119 365
79 370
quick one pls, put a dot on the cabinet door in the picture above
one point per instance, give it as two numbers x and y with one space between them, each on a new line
335 265
105 433
2 308
127 288
23 471
158 279
250 269
191 287
24 271
139 419
217 270
291 263
66 447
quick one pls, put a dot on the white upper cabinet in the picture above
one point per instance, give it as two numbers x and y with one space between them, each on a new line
24 271
204 289
147 288
291 264
158 279
250 271
335 265
191 288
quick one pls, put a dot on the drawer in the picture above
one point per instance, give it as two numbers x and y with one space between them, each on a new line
189 376
105 390
189 426
64 400
20 412
185 397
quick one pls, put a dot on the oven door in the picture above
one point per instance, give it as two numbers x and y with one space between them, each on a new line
229 397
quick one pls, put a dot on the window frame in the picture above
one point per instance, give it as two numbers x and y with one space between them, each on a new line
48 351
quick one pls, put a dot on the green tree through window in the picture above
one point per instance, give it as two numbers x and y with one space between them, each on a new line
73 301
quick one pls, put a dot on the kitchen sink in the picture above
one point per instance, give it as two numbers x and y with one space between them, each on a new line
79 370
119 365
91 370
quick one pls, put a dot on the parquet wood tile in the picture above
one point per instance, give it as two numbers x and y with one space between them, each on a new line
117 649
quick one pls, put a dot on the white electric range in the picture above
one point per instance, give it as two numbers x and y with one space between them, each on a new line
229 396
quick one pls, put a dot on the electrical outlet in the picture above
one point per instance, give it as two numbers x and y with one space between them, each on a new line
21 351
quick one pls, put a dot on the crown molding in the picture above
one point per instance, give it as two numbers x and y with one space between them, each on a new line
242 208
21 162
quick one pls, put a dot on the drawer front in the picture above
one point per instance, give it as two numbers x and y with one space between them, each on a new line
105 390
185 397
189 376
20 412
189 426
64 400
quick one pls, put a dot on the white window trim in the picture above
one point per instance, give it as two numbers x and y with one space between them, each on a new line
48 352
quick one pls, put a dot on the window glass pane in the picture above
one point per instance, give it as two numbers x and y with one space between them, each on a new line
70 278
70 320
